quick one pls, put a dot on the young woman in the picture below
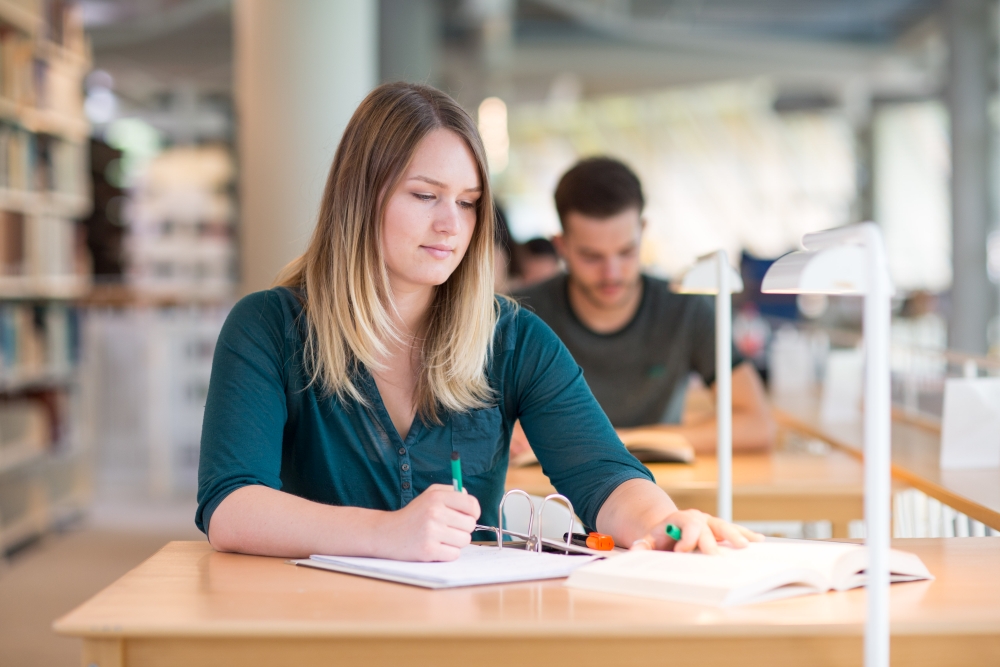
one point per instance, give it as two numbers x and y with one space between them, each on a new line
338 397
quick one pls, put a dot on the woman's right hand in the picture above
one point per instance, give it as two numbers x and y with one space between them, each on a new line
433 527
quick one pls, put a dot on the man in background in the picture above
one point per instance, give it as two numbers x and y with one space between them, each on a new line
636 341
537 262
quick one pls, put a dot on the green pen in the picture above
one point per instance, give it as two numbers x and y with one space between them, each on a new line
456 471
674 532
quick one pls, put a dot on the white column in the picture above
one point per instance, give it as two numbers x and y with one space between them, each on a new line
408 40
302 67
973 298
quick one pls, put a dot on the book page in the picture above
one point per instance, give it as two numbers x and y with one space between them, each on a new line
824 557
903 566
841 564
763 570
714 580
476 565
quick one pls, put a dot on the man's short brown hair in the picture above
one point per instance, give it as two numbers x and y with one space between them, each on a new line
598 187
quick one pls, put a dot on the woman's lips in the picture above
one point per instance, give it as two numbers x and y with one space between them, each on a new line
438 251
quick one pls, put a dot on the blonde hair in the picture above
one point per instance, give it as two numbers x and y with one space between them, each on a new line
342 276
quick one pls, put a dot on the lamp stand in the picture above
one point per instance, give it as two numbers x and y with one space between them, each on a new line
877 452
724 387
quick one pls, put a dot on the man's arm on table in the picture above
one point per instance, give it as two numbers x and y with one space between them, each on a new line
753 426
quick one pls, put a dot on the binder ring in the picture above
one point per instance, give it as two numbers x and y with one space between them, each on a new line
533 540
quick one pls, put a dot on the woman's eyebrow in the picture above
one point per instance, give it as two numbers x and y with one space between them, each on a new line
428 179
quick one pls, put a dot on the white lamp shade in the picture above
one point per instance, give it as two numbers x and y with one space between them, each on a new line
703 278
832 270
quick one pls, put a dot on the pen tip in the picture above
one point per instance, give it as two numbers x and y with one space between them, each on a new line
454 456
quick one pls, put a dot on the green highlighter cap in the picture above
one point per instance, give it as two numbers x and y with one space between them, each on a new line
456 472
674 532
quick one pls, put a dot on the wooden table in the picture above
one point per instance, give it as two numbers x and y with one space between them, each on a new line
776 486
191 606
916 449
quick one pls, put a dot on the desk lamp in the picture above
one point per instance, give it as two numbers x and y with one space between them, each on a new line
851 261
712 274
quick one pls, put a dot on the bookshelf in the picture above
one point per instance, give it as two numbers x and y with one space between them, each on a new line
44 269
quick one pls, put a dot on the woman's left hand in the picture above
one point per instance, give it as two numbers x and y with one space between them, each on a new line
698 530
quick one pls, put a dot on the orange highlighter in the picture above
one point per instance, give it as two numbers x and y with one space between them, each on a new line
595 541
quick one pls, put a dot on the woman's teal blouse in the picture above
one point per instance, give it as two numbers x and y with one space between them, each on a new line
264 424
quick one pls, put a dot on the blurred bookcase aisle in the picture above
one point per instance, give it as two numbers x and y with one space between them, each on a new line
149 341
146 376
44 189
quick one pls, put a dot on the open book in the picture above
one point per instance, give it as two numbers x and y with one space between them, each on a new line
762 571
475 565
645 444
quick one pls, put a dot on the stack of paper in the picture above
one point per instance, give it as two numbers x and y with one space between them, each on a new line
476 565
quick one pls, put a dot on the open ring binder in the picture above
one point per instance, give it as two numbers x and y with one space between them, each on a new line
533 540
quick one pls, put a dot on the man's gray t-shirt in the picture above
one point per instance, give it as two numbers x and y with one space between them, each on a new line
638 374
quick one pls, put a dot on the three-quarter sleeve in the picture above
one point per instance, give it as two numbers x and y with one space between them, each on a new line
245 413
572 437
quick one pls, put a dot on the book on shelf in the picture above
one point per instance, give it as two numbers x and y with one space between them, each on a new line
25 431
40 163
50 246
37 341
763 571
11 243
16 149
63 24
44 71
17 76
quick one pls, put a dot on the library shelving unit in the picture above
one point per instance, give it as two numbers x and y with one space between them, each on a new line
150 341
44 189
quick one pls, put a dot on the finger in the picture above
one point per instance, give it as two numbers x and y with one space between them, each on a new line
438 487
748 534
706 541
458 520
643 544
453 537
660 540
461 502
691 530
723 530
444 553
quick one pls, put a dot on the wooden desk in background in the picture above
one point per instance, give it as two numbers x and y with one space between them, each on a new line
916 451
776 486
191 606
